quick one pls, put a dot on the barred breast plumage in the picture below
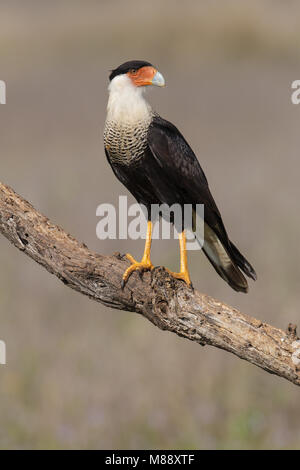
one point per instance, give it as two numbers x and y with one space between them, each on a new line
126 142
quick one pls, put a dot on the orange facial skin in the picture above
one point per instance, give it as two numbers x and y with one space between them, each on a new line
142 76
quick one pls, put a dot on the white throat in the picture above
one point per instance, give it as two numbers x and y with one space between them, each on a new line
126 103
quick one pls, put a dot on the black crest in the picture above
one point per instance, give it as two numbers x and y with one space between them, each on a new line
130 65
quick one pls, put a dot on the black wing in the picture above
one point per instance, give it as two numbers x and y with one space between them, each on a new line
177 159
178 162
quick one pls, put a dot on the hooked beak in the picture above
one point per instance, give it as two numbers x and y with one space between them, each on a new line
158 80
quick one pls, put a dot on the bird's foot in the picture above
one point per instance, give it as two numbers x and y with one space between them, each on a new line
183 275
140 266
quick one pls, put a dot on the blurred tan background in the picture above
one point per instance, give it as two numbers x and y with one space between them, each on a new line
79 375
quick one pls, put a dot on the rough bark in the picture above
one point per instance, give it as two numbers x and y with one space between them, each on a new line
166 302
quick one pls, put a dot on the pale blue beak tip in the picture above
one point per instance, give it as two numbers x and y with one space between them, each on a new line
158 79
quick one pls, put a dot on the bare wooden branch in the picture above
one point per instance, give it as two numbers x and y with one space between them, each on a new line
166 302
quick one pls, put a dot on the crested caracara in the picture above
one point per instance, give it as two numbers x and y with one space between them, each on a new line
153 160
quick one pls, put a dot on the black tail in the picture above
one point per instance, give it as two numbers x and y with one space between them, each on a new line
242 263
227 261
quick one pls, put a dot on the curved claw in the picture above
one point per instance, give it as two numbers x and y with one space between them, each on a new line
183 276
144 265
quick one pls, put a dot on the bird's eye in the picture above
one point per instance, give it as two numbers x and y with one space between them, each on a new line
133 72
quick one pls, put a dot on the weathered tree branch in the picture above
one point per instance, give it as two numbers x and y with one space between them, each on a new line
166 302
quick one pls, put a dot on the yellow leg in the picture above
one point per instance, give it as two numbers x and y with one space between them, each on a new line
184 272
145 263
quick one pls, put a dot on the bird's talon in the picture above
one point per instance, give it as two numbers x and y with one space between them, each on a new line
183 276
144 265
140 274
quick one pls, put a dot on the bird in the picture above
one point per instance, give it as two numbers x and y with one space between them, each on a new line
152 159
